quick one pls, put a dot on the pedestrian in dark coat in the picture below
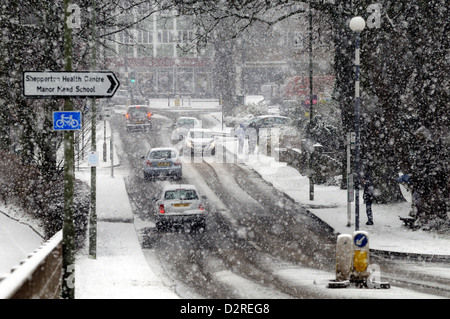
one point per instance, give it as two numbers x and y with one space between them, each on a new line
368 197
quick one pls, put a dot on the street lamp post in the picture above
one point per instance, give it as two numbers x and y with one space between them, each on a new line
357 24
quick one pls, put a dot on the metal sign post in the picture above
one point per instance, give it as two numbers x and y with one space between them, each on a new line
68 243
350 192
93 207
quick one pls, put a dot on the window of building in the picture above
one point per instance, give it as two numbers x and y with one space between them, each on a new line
185 36
185 80
165 51
145 37
126 37
145 50
167 36
165 80
163 23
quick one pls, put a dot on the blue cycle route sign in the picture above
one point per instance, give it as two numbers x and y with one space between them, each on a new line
67 121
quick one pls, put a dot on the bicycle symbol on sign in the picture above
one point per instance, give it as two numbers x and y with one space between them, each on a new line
68 120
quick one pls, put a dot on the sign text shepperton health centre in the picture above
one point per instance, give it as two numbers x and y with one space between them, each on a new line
69 84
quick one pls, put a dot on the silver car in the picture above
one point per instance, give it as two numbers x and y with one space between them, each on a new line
180 205
162 161
182 126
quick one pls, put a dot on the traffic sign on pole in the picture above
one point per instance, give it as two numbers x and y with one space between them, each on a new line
94 84
67 121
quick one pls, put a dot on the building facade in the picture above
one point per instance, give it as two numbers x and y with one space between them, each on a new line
155 54
153 59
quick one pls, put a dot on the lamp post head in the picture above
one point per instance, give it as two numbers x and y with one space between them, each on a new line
357 24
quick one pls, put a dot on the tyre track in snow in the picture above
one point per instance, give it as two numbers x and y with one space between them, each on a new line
258 231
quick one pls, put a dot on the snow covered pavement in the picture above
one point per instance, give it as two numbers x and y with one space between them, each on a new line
120 269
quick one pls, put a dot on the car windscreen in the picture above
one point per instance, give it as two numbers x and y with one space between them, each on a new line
281 120
162 154
187 122
201 135
121 93
187 194
138 110
253 120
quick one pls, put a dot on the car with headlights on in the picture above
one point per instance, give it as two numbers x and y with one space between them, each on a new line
200 141
162 162
182 127
180 204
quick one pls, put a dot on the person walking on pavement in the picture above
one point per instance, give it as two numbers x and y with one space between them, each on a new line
368 197
252 139
240 133
407 180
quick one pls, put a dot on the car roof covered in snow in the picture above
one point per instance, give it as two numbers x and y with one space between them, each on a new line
179 186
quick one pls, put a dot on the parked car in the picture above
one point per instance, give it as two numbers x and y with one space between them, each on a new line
265 121
274 110
138 117
180 205
200 141
162 162
182 127
288 133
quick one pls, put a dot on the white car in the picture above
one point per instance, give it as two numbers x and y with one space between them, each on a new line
200 141
182 127
180 204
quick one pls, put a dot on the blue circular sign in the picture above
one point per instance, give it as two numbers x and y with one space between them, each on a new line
360 240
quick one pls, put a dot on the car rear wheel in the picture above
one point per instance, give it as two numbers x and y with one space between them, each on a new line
160 226
201 225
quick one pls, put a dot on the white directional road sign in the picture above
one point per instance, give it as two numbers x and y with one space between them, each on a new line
69 84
